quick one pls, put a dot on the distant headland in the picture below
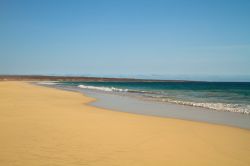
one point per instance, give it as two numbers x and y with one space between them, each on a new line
79 78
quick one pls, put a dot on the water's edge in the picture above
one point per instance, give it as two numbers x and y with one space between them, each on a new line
229 97
128 104
168 110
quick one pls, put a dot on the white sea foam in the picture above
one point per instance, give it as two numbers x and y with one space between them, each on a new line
215 106
107 89
48 83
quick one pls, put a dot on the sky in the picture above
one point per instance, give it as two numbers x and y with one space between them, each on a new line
172 39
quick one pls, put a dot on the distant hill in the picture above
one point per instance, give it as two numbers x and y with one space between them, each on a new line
75 78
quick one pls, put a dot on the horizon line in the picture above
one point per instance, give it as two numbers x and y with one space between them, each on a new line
61 76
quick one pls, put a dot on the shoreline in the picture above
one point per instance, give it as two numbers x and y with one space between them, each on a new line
99 103
47 126
135 105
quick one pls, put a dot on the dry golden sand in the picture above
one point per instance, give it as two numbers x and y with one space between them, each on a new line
50 127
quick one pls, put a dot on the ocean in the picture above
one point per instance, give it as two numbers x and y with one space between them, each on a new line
220 96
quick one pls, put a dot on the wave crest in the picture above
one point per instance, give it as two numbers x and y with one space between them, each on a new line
107 89
48 83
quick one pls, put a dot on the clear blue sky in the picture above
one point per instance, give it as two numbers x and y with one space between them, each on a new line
166 38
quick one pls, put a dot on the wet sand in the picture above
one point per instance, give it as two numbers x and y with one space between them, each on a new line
46 126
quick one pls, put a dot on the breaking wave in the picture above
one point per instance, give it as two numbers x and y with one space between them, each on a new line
106 89
245 109
48 83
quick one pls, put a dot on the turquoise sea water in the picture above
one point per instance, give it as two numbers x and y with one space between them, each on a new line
222 96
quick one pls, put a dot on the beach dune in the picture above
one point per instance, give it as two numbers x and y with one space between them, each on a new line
44 126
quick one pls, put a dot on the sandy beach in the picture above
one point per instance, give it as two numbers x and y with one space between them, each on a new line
44 126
